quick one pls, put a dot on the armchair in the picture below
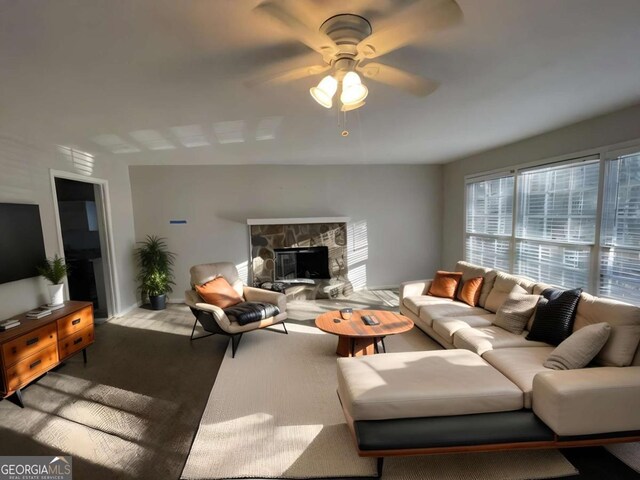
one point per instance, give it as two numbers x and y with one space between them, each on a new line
214 319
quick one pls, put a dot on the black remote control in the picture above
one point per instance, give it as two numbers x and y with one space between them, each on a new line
370 320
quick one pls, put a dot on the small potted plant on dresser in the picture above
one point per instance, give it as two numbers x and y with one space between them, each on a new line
155 271
54 270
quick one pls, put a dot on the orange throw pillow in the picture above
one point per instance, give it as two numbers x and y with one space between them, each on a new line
470 291
445 284
218 292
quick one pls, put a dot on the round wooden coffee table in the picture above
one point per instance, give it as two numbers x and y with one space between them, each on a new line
355 338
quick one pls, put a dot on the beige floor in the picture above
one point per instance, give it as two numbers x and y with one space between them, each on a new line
133 410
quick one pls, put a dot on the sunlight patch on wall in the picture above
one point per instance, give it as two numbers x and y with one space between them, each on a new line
357 253
243 271
82 162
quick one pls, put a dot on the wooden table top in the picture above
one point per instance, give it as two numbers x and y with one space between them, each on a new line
390 323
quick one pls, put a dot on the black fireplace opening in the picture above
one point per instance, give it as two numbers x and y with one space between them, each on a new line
302 262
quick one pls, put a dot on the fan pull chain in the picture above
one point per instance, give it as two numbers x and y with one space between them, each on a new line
345 132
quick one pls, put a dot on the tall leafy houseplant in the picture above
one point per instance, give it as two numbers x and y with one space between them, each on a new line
155 271
54 270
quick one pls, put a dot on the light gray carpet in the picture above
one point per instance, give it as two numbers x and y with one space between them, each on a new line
274 413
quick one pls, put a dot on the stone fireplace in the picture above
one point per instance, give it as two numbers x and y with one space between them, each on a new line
271 237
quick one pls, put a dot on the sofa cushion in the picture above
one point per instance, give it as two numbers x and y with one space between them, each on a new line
423 384
579 348
473 271
446 327
516 310
625 328
502 286
483 339
588 401
218 292
414 303
469 291
445 284
519 365
453 309
555 314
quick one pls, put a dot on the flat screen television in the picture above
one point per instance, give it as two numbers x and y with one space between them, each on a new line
21 241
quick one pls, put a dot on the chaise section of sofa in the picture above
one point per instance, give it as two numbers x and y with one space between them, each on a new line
463 398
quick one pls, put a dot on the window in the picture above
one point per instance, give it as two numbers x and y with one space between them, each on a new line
620 239
489 221
556 223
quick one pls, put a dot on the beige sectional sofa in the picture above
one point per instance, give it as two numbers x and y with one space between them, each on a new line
490 387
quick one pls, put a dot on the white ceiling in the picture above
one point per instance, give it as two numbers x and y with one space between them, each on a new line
156 81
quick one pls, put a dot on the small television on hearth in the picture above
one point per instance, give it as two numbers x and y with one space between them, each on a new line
302 262
21 241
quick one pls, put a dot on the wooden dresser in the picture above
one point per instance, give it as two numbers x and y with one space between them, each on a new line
38 345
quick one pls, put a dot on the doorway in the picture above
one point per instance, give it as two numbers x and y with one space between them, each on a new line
83 231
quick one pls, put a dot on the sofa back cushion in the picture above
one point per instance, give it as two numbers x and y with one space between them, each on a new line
470 271
624 319
502 286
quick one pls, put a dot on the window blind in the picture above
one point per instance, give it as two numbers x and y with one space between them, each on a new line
489 219
620 237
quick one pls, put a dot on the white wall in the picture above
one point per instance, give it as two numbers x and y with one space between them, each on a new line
25 178
613 128
400 206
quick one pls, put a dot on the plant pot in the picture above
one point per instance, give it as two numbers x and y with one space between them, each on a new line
158 302
56 293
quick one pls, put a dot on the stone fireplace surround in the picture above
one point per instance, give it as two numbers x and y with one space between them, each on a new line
267 234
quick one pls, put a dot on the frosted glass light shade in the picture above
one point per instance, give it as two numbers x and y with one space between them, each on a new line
325 91
353 91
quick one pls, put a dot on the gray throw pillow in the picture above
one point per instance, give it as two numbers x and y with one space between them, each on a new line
579 348
516 310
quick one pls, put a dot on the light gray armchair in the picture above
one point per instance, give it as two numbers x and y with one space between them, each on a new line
214 319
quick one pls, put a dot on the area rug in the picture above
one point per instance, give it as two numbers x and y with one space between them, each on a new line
273 412
627 453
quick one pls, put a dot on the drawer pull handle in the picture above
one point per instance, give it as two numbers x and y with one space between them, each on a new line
33 340
76 321
79 340
35 364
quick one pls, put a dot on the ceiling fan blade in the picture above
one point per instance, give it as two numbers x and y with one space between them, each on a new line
287 75
395 77
292 16
409 25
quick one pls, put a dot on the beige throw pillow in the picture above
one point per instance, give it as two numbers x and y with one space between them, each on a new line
516 310
579 348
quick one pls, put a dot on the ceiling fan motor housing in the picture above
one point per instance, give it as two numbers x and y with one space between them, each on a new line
347 31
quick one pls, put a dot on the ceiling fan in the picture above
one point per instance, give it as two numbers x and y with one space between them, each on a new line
348 44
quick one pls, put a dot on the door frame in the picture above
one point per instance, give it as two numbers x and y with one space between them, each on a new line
110 272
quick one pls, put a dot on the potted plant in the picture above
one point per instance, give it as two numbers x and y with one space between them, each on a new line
54 270
155 275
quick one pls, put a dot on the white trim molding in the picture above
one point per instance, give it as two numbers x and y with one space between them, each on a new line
294 221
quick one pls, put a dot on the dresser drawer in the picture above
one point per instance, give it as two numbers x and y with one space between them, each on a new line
28 344
77 341
75 322
31 367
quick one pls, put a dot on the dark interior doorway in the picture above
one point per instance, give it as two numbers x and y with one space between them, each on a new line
81 224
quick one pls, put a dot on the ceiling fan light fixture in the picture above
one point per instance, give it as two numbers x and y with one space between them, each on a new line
353 91
325 91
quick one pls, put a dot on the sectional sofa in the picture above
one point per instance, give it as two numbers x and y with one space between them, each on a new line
489 388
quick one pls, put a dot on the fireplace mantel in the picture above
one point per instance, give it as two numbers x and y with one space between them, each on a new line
296 221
